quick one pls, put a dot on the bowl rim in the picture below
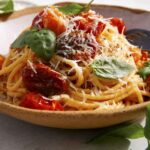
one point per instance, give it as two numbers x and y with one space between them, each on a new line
136 107
35 9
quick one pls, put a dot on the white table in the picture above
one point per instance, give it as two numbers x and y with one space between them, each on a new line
17 135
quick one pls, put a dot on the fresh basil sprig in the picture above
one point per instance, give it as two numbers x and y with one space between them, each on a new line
125 131
41 42
71 9
147 127
111 68
74 9
6 6
145 71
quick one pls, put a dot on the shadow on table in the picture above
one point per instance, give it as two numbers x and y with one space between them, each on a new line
17 135
114 143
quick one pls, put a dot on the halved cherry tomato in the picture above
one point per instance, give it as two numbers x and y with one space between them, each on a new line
50 18
41 78
89 27
144 56
37 21
119 23
136 56
37 101
147 80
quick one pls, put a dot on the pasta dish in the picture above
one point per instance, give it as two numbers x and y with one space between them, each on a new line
74 59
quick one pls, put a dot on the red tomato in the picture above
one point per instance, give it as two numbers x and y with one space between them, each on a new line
119 23
144 55
100 28
85 55
147 80
136 57
43 79
37 101
88 26
50 18
37 21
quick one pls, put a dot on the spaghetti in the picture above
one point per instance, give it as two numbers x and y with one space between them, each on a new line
67 80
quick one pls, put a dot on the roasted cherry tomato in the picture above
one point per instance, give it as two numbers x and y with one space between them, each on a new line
119 23
144 56
147 80
37 101
100 28
79 55
43 79
78 51
136 56
37 21
89 26
50 18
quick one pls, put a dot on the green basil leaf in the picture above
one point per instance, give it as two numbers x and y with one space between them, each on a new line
41 42
71 9
128 131
6 6
145 71
148 148
88 6
118 143
132 131
20 42
74 9
147 125
106 132
111 68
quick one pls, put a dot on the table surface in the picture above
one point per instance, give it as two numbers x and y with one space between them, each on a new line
18 135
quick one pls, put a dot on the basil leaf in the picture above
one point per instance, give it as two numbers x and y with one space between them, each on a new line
128 131
71 9
132 131
41 42
74 9
111 68
6 6
118 143
20 42
88 6
147 127
145 71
